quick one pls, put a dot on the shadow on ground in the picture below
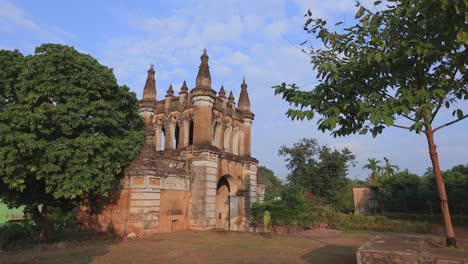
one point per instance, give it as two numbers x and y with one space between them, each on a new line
58 253
331 254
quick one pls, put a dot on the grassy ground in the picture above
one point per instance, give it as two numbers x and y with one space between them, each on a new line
201 247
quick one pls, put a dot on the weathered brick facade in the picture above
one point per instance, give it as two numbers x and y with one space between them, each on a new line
195 170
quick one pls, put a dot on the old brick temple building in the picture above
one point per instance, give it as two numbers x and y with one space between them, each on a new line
195 169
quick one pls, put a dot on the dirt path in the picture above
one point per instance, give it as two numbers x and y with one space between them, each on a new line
203 247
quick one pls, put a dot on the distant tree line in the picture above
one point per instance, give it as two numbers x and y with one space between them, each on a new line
318 175
410 193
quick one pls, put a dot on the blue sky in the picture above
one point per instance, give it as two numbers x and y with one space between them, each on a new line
251 38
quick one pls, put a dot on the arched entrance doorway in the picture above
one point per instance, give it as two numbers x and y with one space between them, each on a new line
226 203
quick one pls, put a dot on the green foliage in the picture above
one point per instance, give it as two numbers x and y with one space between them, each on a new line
410 193
375 223
67 129
458 220
379 173
273 184
405 61
317 169
400 193
344 199
294 209
374 167
18 234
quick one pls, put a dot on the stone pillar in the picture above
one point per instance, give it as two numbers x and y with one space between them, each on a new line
241 142
202 208
221 135
227 138
169 127
157 136
203 114
235 141
182 127
247 136
250 185
145 190
186 132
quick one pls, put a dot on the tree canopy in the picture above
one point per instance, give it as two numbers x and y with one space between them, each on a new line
378 172
67 129
317 169
399 66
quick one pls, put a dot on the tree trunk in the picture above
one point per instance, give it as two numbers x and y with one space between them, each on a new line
40 218
449 233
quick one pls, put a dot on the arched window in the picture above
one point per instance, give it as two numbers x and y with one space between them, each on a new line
176 136
163 138
191 133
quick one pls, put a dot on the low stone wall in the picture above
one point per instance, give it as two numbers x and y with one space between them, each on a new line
407 249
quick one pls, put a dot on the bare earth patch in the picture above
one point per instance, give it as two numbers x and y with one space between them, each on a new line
202 247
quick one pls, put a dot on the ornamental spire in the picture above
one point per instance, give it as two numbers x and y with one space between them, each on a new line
244 102
203 76
170 91
222 93
184 88
231 98
149 92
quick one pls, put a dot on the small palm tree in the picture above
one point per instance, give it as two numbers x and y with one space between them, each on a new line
374 167
388 170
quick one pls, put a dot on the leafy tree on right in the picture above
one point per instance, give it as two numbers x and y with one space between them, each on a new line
407 61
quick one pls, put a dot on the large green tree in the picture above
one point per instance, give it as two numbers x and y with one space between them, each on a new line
406 61
67 129
317 169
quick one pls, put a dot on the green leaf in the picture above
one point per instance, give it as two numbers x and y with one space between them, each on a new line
462 36
459 113
377 3
378 57
360 12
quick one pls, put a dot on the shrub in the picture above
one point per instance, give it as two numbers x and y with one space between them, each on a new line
18 234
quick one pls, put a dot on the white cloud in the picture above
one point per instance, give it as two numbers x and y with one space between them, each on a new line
11 16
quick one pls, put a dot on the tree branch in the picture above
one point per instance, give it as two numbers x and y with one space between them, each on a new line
409 118
450 123
436 111
404 127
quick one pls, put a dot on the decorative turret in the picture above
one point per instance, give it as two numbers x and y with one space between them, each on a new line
203 76
148 102
149 92
170 91
203 98
169 95
222 93
231 98
183 93
184 88
244 102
